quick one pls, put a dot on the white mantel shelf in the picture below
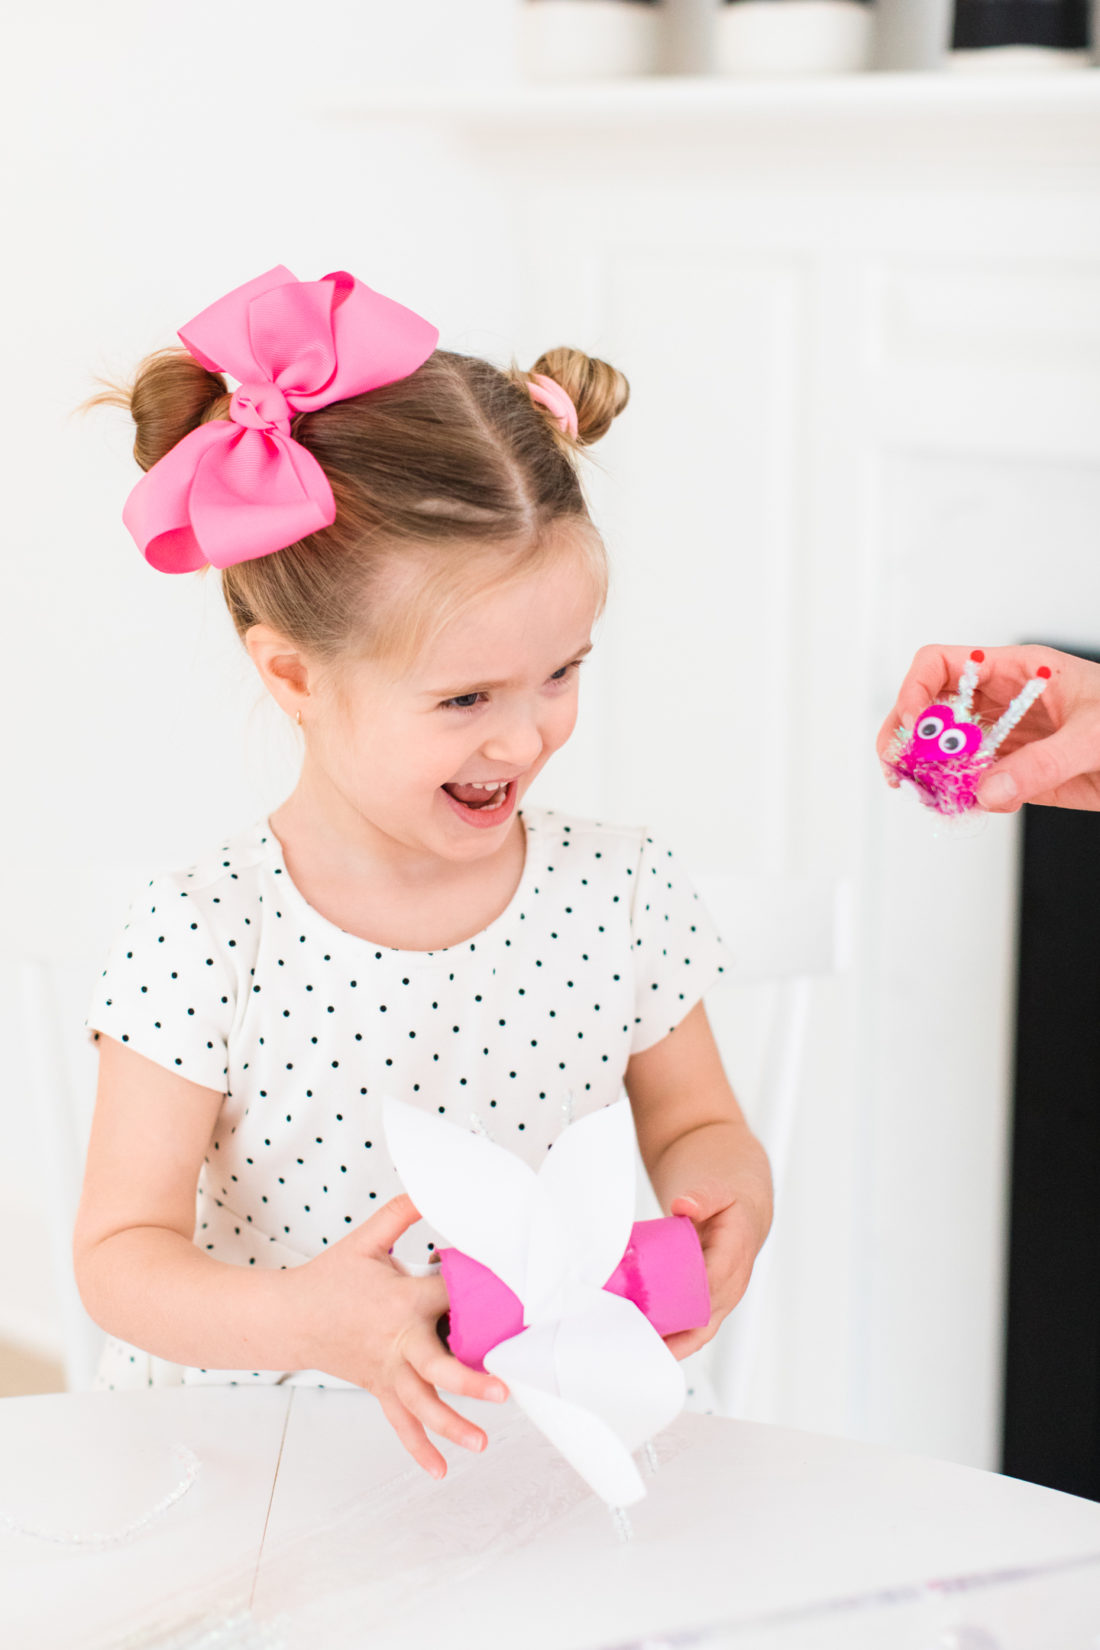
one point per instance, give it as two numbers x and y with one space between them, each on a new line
680 99
1037 129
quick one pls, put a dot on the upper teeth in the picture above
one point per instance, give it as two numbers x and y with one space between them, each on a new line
490 785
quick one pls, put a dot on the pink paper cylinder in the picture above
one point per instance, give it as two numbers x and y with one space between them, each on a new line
662 1272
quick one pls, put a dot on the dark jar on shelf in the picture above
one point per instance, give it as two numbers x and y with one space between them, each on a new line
1018 35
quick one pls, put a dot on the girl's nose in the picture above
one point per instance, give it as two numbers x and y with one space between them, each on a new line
516 744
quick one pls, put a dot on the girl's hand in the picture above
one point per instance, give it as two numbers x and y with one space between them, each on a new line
1053 757
355 1315
731 1239
703 1160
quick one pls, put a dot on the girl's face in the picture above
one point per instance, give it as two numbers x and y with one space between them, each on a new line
437 759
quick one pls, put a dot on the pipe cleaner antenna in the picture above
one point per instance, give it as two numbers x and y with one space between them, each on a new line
1019 707
968 681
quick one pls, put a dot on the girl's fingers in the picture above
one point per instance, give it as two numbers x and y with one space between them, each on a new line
701 1201
383 1229
721 1225
725 1258
435 1365
432 1298
728 1254
413 1436
726 1293
687 1341
728 1275
423 1402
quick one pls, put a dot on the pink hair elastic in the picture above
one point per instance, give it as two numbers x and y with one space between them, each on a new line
550 395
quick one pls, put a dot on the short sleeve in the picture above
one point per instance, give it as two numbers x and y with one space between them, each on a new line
678 952
166 990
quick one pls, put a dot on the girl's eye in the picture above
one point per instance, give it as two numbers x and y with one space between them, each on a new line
464 701
469 701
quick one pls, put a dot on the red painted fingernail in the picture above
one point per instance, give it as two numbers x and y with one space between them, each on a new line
978 656
1044 672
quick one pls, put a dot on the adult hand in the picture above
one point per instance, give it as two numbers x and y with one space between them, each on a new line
357 1316
731 1239
1052 756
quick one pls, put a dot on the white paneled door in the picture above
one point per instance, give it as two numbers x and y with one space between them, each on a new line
861 325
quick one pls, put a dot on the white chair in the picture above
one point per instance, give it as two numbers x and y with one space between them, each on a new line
784 933
62 1072
66 929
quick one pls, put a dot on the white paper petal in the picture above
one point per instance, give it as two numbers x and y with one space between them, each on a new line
599 1384
550 1255
586 1441
589 1174
609 1359
477 1195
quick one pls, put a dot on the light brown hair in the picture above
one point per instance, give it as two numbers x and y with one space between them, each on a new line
447 483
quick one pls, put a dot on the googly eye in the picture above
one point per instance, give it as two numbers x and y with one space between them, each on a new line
953 742
929 727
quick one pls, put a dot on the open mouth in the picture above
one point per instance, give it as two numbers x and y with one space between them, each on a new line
487 804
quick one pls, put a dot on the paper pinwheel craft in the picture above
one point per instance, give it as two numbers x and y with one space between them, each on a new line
585 1364
663 1272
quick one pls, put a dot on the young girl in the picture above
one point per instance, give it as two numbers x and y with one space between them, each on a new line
406 554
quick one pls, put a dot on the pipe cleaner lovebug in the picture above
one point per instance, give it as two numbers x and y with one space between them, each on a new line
943 758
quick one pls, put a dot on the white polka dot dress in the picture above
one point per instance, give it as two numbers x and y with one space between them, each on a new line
226 975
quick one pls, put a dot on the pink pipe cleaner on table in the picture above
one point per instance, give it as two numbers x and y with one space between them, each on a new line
945 756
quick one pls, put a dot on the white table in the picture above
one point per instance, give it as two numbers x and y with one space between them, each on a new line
308 1515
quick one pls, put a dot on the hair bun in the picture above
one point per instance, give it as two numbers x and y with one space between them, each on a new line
171 395
598 391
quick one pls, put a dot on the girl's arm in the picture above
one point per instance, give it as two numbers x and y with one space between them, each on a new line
349 1311
702 1159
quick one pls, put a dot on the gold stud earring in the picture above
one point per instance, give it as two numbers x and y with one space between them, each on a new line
298 717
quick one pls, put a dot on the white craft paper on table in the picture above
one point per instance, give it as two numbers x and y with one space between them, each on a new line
588 1368
97 1462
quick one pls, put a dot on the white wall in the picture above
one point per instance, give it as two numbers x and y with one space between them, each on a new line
161 157
158 156
861 325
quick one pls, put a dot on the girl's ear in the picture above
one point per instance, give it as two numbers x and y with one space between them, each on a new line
283 667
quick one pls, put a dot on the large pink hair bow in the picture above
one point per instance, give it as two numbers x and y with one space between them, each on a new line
241 487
